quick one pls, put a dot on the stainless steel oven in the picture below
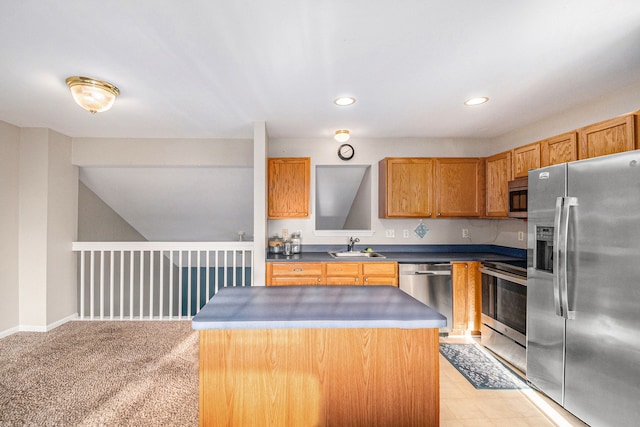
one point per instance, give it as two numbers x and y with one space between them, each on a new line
504 311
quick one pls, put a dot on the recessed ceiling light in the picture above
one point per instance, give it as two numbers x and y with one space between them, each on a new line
476 101
343 101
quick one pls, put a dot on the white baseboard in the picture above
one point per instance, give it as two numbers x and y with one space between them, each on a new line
31 328
8 332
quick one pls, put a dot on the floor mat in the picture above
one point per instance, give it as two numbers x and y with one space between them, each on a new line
480 368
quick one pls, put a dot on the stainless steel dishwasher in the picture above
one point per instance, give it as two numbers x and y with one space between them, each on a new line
430 284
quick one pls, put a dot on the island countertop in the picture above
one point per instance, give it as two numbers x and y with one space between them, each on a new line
285 307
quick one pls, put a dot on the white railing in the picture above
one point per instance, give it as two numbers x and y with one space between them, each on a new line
156 280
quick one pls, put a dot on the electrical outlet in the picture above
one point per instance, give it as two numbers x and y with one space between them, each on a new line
405 234
390 233
521 235
465 232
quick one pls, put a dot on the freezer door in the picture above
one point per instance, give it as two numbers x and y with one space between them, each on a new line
602 374
545 329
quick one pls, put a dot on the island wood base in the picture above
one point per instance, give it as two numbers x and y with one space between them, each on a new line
319 377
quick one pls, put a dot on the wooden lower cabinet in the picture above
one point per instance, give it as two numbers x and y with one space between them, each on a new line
380 273
295 273
343 273
319 377
332 273
467 297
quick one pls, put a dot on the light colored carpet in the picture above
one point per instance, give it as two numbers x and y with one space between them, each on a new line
101 374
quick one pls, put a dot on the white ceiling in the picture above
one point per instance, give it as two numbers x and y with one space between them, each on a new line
209 68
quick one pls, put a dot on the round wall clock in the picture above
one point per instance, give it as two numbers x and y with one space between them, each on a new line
346 152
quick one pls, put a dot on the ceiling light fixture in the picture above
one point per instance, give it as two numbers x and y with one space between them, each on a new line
476 101
342 135
93 95
343 101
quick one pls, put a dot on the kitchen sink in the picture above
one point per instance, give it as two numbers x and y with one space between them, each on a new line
347 254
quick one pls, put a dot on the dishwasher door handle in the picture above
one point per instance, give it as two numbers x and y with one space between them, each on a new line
432 273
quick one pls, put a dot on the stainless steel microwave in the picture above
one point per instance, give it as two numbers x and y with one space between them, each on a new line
518 197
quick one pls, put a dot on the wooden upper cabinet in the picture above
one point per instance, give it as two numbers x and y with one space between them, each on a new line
288 187
525 158
498 175
559 149
459 188
608 137
405 187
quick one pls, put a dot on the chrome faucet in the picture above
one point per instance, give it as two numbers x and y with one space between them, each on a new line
352 242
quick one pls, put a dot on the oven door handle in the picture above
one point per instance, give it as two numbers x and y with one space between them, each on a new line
500 275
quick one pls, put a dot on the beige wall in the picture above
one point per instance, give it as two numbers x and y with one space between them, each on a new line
9 199
97 222
62 230
162 152
47 226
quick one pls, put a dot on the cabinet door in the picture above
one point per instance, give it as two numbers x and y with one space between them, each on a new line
460 308
525 158
342 273
467 297
380 273
405 188
608 137
459 187
288 187
498 176
559 149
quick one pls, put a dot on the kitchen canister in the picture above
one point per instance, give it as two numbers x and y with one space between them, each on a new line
296 243
276 244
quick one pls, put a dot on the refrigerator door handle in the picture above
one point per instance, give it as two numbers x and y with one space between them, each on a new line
561 231
557 272
568 309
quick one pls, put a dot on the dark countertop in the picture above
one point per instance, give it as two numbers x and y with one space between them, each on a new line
414 254
278 307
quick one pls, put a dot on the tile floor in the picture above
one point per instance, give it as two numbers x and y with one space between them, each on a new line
462 405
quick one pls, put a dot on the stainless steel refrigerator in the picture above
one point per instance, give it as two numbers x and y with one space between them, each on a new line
583 287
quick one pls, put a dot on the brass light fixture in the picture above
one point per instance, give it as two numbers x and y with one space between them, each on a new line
342 135
93 95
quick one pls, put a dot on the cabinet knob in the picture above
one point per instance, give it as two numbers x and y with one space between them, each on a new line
439 213
319 279
297 270
429 214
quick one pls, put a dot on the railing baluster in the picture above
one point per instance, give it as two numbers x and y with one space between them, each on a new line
208 275
141 285
82 284
199 254
171 285
151 284
92 284
161 295
131 284
180 287
111 285
216 274
121 285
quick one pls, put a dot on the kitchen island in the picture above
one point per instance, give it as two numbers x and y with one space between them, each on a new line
318 356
